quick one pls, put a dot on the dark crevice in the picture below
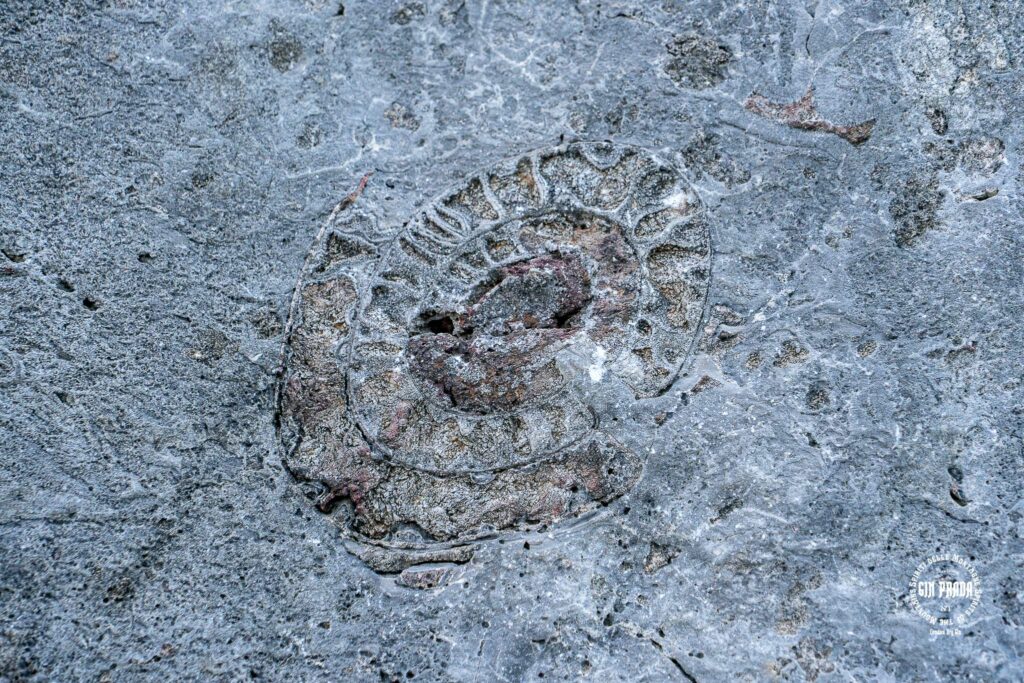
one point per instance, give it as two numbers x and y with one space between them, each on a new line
441 325
958 497
683 671
686 674
564 320
434 322
449 393
956 485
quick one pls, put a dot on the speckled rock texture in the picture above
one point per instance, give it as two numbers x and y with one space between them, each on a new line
850 403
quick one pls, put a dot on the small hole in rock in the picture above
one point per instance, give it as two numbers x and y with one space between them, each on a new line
441 325
90 303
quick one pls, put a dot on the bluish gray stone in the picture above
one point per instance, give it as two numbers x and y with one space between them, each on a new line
853 405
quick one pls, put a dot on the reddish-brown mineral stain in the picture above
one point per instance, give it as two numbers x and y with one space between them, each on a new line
803 115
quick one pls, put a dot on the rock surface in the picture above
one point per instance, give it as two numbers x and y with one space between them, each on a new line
851 408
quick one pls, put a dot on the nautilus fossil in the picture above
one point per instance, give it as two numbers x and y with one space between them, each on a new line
462 384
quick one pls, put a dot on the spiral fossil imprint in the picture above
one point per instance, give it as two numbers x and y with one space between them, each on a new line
456 387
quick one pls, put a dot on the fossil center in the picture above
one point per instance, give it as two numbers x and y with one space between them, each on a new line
484 355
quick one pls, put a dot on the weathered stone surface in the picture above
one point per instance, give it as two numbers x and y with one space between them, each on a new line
760 470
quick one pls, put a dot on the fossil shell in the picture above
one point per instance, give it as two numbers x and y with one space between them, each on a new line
456 389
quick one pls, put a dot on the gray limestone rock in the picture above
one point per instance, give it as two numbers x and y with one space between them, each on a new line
204 204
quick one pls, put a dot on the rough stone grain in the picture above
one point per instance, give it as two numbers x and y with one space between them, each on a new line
852 404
